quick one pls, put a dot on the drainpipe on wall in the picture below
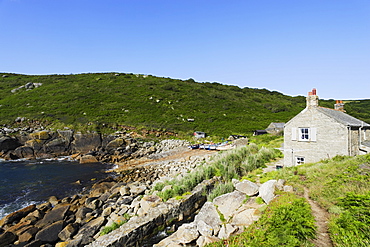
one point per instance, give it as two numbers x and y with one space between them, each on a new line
359 135
349 140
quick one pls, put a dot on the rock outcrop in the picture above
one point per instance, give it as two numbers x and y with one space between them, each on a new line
228 214
87 148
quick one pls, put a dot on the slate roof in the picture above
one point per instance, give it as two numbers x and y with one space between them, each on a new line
343 118
279 125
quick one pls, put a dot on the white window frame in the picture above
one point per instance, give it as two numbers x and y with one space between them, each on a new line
308 136
299 160
304 134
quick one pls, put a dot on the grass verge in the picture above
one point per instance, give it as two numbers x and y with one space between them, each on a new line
340 185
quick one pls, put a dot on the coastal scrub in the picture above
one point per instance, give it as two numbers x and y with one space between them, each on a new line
228 165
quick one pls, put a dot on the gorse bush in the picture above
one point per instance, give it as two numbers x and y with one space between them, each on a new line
287 221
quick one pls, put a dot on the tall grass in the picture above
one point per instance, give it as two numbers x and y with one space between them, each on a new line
220 189
228 165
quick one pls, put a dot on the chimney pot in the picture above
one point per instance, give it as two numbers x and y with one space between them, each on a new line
339 106
312 99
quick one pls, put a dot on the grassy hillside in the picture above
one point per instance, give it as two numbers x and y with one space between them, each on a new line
144 101
359 109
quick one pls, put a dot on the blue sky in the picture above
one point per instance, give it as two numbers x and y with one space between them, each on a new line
290 46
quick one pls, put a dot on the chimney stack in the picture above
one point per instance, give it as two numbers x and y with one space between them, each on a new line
312 99
339 106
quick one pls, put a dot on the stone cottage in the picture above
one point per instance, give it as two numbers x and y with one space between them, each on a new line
275 128
318 133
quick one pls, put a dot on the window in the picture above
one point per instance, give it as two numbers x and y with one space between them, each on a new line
299 160
304 134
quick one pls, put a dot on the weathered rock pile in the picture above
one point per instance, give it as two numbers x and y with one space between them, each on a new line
162 170
27 86
153 215
87 148
78 220
228 214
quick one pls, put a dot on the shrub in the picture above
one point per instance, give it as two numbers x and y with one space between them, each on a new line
159 186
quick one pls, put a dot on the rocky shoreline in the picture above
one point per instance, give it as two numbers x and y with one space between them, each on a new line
78 220
88 147
128 198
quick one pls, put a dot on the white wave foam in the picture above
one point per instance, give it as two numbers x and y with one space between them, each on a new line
14 206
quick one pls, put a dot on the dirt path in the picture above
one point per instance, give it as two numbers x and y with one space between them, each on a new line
320 214
321 217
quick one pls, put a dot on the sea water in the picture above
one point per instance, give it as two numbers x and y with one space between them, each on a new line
23 183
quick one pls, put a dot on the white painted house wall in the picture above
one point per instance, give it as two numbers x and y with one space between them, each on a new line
323 142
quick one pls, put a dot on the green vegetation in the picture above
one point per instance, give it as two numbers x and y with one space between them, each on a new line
341 185
228 165
105 101
115 225
358 109
259 200
220 189
267 140
102 101
111 228
96 101
287 221
352 226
